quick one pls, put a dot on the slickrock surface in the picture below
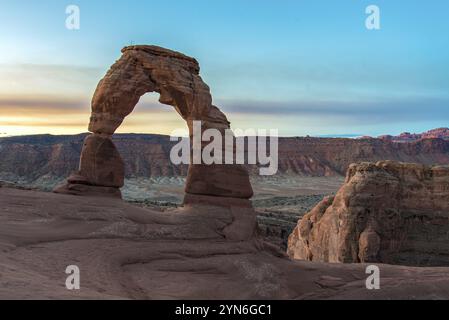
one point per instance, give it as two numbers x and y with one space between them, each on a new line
143 69
389 212
195 252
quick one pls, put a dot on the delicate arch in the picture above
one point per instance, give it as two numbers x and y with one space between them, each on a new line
143 69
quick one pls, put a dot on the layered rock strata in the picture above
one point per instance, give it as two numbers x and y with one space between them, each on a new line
387 212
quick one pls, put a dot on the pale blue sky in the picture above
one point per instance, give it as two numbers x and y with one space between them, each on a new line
305 67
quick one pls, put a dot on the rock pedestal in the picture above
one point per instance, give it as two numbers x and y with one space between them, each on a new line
101 171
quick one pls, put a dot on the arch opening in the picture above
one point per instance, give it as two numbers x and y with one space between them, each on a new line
152 117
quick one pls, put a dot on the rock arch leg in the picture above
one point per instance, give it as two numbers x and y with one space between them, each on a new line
101 170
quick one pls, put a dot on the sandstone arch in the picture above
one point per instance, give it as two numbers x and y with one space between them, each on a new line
143 69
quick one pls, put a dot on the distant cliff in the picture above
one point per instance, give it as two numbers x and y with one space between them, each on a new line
32 157
440 133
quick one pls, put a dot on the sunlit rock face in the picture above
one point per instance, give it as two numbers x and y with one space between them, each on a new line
143 69
388 212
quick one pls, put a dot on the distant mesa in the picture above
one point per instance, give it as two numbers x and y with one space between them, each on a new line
440 133
32 158
386 212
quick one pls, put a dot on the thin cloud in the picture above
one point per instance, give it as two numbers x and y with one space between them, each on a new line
47 79
24 104
74 124
69 73
363 111
61 105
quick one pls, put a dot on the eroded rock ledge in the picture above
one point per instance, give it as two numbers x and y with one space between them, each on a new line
388 212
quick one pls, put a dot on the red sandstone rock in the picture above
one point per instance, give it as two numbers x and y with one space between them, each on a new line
387 212
143 69
175 77
101 163
219 180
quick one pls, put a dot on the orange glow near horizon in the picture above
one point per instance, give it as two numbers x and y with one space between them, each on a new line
57 123
58 115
